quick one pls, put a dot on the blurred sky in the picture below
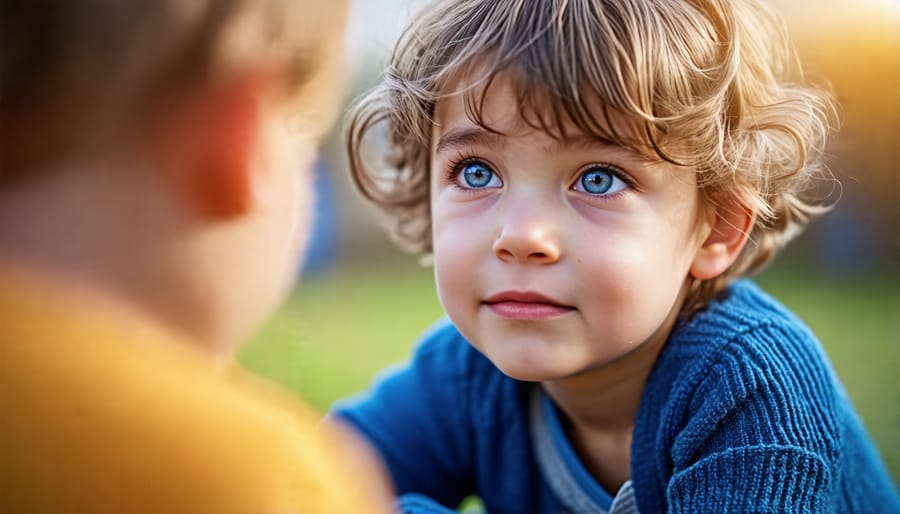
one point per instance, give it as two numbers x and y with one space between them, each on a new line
374 24
373 28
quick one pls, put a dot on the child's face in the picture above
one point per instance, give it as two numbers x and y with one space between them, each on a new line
555 257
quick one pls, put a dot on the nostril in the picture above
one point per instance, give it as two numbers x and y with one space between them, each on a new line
538 247
503 253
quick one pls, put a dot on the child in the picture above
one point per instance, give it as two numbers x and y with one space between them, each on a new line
153 195
592 178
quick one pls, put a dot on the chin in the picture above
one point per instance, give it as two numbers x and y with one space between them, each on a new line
532 370
528 375
528 357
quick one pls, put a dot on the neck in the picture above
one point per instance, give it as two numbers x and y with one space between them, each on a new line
600 406
606 399
86 227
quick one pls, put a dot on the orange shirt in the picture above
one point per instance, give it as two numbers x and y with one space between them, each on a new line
102 412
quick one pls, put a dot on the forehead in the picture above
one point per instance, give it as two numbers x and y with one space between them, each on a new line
494 105
489 114
504 105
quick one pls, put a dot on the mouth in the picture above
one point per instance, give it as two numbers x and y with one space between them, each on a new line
526 305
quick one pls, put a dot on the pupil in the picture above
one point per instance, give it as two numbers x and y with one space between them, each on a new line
596 182
477 175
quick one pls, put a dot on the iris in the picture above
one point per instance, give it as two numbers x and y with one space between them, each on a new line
477 175
597 182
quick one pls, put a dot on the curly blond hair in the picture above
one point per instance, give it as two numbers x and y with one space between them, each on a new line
710 84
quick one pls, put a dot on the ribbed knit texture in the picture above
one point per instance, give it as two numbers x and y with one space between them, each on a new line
742 413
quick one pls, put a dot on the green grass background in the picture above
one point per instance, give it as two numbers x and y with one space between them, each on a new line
339 329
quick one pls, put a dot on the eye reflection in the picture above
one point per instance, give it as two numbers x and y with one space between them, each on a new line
477 175
601 181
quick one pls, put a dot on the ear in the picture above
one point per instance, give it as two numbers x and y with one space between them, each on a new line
730 229
206 143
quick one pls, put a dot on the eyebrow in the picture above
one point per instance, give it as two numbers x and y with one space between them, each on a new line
581 142
464 137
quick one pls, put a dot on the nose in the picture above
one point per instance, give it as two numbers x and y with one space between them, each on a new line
527 242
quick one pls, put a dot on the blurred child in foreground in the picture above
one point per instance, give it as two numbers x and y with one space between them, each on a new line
593 178
154 187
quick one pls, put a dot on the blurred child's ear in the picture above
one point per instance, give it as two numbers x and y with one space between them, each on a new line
730 229
206 143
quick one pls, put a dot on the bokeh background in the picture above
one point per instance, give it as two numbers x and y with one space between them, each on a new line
361 303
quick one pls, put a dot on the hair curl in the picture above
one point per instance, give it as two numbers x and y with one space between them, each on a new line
711 84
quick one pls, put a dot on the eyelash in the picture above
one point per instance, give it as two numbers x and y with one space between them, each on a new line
613 169
455 167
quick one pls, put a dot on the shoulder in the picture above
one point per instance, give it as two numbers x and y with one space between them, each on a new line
747 328
443 340
430 416
445 359
114 414
443 353
441 365
436 381
288 459
172 425
747 369
741 386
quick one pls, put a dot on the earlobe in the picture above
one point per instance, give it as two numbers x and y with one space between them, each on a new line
730 230
207 143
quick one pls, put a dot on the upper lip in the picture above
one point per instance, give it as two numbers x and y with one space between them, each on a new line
523 297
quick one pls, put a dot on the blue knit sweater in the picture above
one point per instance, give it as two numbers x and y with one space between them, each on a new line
741 413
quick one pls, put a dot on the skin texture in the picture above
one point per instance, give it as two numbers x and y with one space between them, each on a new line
610 268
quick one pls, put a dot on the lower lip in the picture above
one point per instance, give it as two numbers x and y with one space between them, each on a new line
528 311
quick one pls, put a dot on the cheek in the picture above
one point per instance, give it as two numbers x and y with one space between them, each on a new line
455 265
302 217
292 174
631 280
461 247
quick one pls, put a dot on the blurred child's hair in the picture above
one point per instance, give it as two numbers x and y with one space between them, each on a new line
79 76
711 84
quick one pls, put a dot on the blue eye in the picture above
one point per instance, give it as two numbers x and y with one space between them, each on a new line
476 175
601 181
